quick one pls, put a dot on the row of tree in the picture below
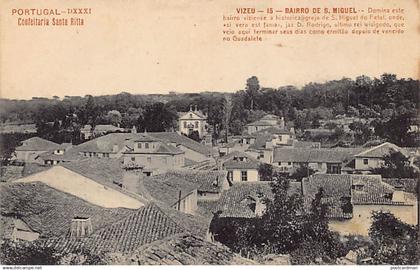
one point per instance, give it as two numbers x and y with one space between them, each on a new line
389 101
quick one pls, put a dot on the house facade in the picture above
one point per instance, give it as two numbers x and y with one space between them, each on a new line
193 120
352 199
321 160
154 154
372 158
265 122
241 167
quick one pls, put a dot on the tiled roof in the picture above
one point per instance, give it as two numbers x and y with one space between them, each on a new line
106 128
260 141
105 144
228 161
102 170
372 191
185 249
380 151
311 155
272 130
249 163
306 144
174 137
164 189
204 180
37 144
408 185
71 154
234 202
198 113
144 226
49 211
260 123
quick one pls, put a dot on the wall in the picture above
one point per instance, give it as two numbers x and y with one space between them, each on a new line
82 187
361 221
208 196
193 155
252 175
373 163
252 129
188 204
156 161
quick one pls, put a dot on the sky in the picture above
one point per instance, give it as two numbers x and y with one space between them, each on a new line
156 46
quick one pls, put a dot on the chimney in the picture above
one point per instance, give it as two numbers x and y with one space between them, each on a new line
191 108
134 129
259 207
282 122
80 227
115 148
398 194
196 108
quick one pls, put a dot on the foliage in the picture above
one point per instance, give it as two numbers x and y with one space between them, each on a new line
394 242
194 136
8 144
265 171
396 165
285 227
28 253
301 172
157 117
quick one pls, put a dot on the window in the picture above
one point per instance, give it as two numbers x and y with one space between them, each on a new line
244 176
139 145
185 124
149 160
196 124
133 159
146 145
280 138
289 163
365 161
248 141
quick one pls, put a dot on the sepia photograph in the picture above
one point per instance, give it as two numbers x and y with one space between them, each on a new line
209 133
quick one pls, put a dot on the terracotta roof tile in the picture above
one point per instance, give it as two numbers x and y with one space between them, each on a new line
49 211
204 180
144 226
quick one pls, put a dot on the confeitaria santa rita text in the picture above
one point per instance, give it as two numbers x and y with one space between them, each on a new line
74 21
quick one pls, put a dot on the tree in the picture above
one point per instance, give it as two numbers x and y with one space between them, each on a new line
252 88
301 172
28 253
265 172
194 136
394 242
114 117
396 165
157 117
362 132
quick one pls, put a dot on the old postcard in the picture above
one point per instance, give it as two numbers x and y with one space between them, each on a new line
209 132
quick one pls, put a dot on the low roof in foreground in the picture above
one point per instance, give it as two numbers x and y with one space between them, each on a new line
146 225
185 249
